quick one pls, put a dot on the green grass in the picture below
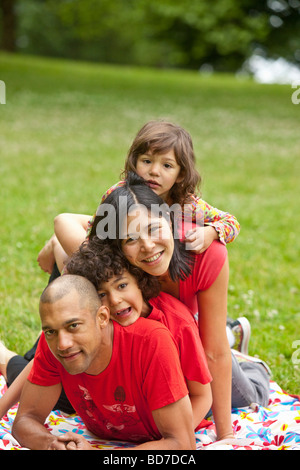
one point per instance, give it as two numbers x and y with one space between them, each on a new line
65 131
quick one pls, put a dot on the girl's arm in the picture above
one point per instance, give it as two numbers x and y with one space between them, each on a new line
225 224
13 393
212 303
201 400
70 230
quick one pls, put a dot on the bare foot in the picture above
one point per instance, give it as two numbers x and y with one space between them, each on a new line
5 356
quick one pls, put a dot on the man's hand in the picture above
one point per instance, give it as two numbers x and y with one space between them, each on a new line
56 444
72 441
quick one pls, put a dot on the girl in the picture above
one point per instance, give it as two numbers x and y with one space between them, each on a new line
162 153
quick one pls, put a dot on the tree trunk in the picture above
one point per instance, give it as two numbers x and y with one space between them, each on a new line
8 12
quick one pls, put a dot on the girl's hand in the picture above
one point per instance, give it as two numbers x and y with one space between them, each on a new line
199 239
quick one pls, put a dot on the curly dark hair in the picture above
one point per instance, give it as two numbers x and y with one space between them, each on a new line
98 261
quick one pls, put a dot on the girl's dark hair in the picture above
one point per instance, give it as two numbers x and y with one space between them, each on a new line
98 261
160 137
136 191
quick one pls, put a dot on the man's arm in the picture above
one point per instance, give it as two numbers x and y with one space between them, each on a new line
175 424
35 405
173 421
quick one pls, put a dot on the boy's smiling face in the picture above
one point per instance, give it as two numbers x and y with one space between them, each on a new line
124 298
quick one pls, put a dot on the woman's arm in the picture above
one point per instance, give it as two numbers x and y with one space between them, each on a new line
212 304
70 230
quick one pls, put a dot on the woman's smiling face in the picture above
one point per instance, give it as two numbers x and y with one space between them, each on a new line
147 241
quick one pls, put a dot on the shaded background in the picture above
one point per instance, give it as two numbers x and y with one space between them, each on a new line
218 35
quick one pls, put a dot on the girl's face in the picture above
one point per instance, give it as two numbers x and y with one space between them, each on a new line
148 241
123 297
161 171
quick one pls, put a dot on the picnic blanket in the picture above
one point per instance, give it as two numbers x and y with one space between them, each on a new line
276 427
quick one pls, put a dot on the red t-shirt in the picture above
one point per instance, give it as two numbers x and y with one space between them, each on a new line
144 374
206 269
179 320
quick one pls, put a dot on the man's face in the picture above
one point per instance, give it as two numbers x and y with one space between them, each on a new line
73 334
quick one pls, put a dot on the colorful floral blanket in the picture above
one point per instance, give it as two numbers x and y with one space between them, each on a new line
276 427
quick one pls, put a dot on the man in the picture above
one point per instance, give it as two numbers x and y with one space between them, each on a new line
125 382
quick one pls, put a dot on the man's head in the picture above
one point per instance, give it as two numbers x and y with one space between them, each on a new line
75 324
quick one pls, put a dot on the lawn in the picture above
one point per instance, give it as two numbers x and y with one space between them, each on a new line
65 130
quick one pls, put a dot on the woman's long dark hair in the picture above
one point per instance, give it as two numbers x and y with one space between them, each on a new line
99 261
136 191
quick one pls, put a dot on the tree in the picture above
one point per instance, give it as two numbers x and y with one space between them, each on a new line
8 24
163 33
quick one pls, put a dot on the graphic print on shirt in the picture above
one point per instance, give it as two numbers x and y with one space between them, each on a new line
122 409
120 414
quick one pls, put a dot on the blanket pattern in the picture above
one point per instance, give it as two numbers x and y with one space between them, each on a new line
276 427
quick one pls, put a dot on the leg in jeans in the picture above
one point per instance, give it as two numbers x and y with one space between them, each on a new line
250 384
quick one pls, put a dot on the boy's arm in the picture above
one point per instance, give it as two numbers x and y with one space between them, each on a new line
35 405
201 400
70 230
13 393
52 253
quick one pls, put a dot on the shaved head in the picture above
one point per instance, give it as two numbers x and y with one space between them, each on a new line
77 327
67 283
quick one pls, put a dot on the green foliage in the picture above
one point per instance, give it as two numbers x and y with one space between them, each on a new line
161 33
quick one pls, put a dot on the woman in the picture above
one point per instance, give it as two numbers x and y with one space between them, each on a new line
141 225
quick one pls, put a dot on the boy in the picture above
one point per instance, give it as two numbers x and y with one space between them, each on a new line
130 293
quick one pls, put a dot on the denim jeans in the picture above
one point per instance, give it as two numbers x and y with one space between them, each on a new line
250 384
